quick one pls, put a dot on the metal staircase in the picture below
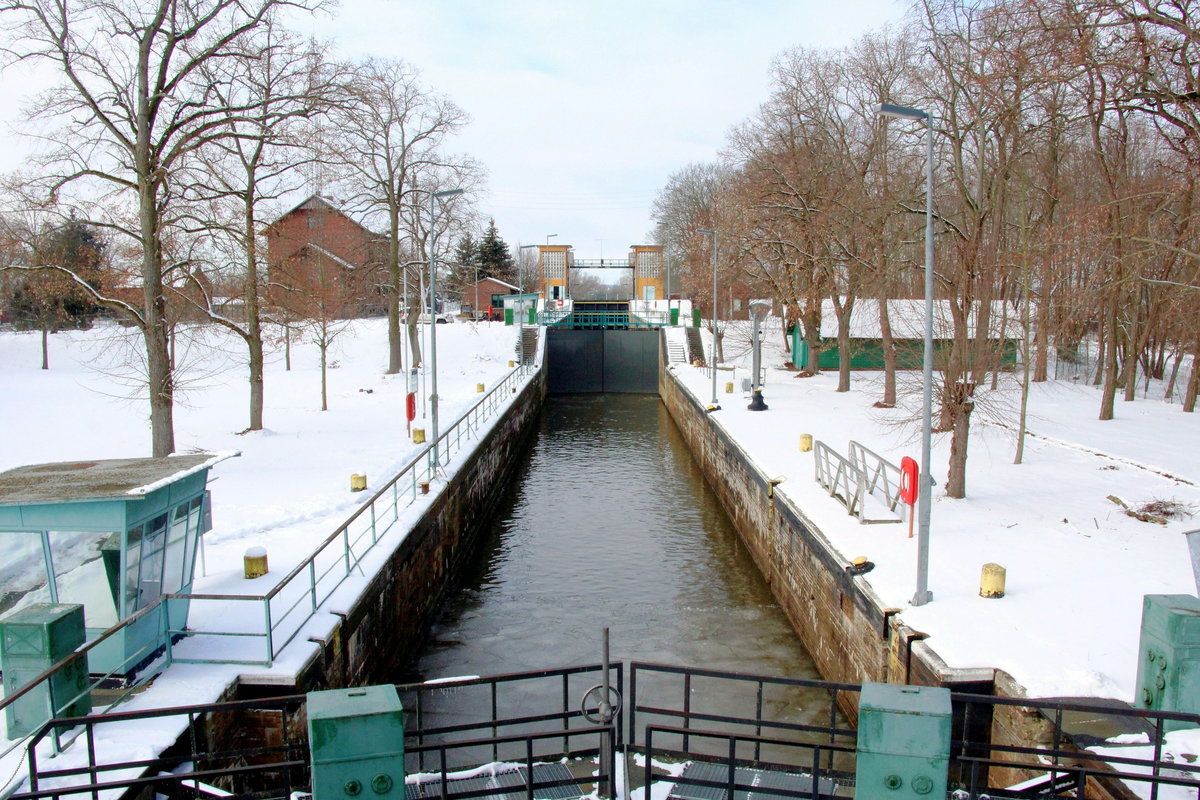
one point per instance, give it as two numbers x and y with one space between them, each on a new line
677 349
695 346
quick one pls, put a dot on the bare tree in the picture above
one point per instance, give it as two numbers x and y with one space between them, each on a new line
133 106
231 183
388 139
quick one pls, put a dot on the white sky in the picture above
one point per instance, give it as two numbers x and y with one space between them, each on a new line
580 111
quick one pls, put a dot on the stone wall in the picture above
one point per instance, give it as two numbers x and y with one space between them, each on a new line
850 633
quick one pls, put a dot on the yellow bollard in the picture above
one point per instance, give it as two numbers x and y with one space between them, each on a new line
479 388
512 364
728 387
358 482
254 562
805 442
418 436
991 581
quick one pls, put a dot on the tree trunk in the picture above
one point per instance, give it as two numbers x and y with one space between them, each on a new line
889 354
323 348
962 406
843 315
156 329
45 348
395 295
414 340
1109 395
254 340
1193 387
1042 334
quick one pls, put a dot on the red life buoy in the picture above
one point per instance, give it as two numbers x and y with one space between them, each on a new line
908 480
410 406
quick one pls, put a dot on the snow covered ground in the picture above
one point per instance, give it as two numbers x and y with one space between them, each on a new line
1077 565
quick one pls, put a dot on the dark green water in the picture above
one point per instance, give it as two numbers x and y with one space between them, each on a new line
609 523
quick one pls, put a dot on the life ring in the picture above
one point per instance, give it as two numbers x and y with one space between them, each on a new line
908 480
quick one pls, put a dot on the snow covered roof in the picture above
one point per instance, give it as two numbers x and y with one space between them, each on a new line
73 481
332 256
908 319
505 284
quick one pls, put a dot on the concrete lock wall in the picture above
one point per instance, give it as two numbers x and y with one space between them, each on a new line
851 635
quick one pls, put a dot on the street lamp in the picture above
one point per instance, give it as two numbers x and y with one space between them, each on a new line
433 394
666 239
548 235
713 234
758 313
923 595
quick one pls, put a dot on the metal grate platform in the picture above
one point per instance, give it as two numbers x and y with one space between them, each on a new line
508 784
767 785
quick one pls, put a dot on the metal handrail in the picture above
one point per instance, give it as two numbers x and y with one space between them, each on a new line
605 319
881 477
343 552
840 477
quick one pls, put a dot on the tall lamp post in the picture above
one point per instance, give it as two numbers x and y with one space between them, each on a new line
923 595
433 393
715 316
758 314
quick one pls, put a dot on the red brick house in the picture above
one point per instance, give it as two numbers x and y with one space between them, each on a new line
316 250
486 298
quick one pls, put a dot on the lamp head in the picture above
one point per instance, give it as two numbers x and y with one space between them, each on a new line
902 112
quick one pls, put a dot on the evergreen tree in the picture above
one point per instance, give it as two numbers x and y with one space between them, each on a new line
494 259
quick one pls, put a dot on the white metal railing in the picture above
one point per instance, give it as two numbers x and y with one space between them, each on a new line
852 480
881 477
273 620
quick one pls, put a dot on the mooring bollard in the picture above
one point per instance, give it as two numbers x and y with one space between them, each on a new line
418 436
254 562
805 442
991 581
358 482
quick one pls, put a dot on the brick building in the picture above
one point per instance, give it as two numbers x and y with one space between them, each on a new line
318 255
486 298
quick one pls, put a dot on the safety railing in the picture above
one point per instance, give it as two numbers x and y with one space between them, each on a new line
273 620
102 690
853 484
881 478
731 731
532 702
737 704
605 319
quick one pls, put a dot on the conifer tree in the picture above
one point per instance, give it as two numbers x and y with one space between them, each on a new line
494 259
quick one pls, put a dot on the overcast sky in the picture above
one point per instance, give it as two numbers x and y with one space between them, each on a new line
580 111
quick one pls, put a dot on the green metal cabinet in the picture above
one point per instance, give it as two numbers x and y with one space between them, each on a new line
32 639
356 737
903 741
1168 676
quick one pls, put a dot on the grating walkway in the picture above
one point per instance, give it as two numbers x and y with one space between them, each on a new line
507 783
763 781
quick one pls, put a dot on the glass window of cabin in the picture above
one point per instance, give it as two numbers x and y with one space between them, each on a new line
86 569
133 565
153 546
173 555
22 570
195 507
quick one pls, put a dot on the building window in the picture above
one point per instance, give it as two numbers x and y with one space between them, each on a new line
648 263
554 266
